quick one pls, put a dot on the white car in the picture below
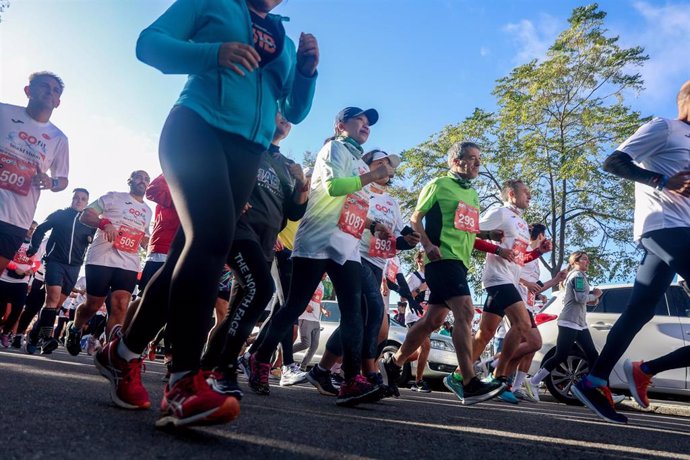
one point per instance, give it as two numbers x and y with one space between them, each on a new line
442 360
668 330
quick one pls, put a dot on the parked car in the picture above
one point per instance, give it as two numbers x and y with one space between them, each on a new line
442 359
668 330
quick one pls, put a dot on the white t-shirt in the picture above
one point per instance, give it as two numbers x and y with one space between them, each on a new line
497 270
385 209
25 145
530 272
413 282
23 262
662 146
319 236
132 219
315 304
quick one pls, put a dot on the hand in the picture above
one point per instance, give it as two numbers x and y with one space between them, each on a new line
297 173
307 54
680 183
534 288
110 232
310 309
30 251
415 307
234 54
545 246
597 292
326 313
382 231
496 235
423 287
278 246
561 276
42 180
383 171
20 272
433 252
385 290
412 239
246 208
507 254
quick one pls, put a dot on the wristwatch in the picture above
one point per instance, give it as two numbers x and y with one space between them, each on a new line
54 182
372 227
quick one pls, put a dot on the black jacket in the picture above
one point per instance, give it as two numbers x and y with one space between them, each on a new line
68 240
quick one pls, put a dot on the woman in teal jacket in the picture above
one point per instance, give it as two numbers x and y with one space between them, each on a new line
242 69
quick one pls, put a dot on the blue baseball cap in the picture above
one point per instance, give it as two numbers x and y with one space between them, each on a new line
352 112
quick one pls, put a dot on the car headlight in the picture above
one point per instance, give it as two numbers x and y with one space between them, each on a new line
442 345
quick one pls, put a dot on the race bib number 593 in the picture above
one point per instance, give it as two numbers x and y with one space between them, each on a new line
384 249
467 218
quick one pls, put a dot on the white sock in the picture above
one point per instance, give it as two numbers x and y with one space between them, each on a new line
539 376
125 353
494 363
519 378
176 376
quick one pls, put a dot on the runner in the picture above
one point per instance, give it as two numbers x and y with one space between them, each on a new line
112 262
66 248
657 158
310 327
328 240
501 279
34 301
30 145
450 209
211 146
420 293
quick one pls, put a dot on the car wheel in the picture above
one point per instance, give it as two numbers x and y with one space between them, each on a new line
565 375
406 373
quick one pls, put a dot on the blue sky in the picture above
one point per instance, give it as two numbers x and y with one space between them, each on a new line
422 64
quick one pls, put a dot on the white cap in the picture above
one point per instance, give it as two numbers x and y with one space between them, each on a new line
377 154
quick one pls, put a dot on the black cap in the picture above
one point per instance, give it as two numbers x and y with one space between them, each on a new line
352 112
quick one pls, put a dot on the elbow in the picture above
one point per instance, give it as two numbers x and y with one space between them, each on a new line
613 161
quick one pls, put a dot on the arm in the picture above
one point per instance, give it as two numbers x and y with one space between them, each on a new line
621 164
485 246
543 248
302 78
40 232
159 192
432 251
92 217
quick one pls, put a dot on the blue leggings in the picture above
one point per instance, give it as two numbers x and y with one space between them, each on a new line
666 253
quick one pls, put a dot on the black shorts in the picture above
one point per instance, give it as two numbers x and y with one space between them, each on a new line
14 293
446 279
501 297
150 269
100 280
63 275
11 238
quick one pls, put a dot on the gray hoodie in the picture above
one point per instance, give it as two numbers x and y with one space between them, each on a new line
576 297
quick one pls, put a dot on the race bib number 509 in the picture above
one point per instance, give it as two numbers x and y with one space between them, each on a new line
16 174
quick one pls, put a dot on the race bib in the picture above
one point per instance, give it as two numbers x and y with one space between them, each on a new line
384 249
391 271
16 174
519 248
354 215
128 239
467 218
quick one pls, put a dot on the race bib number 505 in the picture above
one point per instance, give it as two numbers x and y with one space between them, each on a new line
128 239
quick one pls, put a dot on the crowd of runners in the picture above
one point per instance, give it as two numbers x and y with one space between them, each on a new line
275 230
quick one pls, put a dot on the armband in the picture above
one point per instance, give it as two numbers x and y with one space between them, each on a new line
103 222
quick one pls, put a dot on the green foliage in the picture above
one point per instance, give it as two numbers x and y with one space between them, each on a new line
556 121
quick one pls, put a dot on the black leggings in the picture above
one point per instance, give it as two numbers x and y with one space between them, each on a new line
253 274
666 253
34 302
15 295
564 343
372 313
211 174
347 283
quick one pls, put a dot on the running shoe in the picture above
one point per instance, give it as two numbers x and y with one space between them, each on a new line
72 339
617 399
93 345
421 387
355 391
532 391
5 340
30 346
522 395
389 371
638 382
258 380
508 396
598 400
385 390
126 389
292 375
454 386
243 364
49 346
477 390
151 351
337 379
17 341
322 381
190 401
224 383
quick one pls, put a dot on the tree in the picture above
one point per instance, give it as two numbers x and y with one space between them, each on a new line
556 121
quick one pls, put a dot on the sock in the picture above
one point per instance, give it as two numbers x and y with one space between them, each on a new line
595 381
456 376
519 378
494 363
539 376
176 376
44 325
644 368
321 368
125 353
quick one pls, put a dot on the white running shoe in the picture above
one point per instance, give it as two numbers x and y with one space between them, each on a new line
292 375
93 345
531 390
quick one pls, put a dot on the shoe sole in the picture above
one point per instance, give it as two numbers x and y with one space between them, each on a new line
318 386
468 401
368 397
105 372
227 412
584 400
629 374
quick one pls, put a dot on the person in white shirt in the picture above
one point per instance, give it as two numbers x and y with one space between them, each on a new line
310 327
657 158
30 145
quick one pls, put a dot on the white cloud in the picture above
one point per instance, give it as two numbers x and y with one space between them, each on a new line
484 51
532 39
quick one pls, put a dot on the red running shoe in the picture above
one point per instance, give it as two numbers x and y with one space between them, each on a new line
191 401
126 389
258 376
638 382
357 390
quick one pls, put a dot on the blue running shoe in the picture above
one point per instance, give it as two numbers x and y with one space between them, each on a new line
455 386
509 397
598 400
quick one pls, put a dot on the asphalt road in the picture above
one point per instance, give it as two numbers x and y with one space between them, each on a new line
58 406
